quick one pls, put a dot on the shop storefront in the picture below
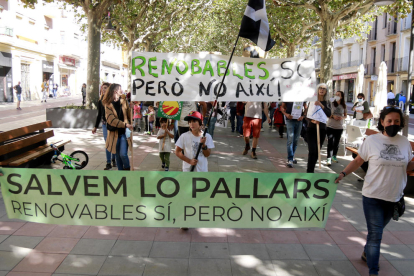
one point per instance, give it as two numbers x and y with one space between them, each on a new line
6 77
48 73
349 85
67 69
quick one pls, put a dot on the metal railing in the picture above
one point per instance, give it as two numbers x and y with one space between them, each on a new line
372 69
350 63
402 64
317 63
392 28
372 34
391 65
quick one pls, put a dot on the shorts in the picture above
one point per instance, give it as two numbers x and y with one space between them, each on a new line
252 123
19 97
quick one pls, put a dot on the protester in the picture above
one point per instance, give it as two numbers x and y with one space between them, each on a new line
165 136
272 108
101 118
18 90
233 111
360 107
322 91
279 121
187 107
83 94
55 88
390 98
188 143
45 90
240 115
118 116
252 124
389 156
294 113
335 127
151 119
137 116
401 101
213 119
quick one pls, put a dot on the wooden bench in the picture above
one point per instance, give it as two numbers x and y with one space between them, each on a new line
369 132
28 146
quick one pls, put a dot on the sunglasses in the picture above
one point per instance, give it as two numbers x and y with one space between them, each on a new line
321 88
393 107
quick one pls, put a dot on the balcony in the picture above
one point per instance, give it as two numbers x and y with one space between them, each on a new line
406 23
372 69
349 41
372 36
317 64
338 43
402 64
392 28
337 66
5 30
350 63
391 65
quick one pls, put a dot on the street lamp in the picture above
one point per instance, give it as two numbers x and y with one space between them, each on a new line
409 73
109 26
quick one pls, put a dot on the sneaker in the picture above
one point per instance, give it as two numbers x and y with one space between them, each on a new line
254 156
167 169
163 165
281 136
184 228
294 161
246 150
108 166
290 164
262 130
364 257
329 162
334 159
113 163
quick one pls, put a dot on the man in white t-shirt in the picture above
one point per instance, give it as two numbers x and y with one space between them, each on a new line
252 123
189 143
391 98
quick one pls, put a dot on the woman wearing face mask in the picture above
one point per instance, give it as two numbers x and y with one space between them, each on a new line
334 126
389 156
311 132
360 107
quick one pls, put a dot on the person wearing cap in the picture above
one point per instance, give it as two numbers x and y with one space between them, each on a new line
188 143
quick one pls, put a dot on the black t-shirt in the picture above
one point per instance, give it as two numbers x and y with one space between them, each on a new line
117 106
289 106
18 89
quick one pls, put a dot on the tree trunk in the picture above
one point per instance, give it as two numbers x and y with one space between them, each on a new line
129 57
291 50
327 49
94 58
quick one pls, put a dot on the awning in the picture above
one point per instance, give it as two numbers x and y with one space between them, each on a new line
64 66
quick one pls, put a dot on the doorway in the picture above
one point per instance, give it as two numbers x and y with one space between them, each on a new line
25 81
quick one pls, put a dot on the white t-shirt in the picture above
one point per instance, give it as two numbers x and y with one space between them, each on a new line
253 110
167 145
388 158
189 143
390 95
187 108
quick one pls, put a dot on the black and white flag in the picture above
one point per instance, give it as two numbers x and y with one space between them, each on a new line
254 25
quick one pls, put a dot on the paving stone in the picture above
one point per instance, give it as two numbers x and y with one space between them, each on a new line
335 268
405 267
8 260
123 265
165 267
170 250
397 252
3 237
93 247
323 252
81 264
286 252
209 267
257 250
209 250
40 262
20 241
294 267
3 273
134 248
251 265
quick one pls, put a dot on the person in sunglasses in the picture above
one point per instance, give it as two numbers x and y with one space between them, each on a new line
389 155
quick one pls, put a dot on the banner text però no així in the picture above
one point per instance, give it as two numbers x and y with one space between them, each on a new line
168 199
194 77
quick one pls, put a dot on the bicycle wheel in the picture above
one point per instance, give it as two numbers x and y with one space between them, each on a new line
81 157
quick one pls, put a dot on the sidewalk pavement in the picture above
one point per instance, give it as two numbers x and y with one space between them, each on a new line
42 249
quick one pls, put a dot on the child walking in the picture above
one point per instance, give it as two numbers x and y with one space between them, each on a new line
137 116
189 142
164 135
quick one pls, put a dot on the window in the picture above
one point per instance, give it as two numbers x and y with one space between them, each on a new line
383 52
385 20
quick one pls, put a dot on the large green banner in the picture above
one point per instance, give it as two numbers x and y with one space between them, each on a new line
168 199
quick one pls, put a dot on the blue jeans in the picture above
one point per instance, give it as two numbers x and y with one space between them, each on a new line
108 153
272 112
232 116
122 160
294 128
211 126
263 118
240 124
378 214
55 93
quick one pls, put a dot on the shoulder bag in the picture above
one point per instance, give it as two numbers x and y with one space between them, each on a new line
367 115
399 208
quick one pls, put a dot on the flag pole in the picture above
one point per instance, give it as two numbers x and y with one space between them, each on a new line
215 101
132 140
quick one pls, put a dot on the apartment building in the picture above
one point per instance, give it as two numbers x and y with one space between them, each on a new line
47 43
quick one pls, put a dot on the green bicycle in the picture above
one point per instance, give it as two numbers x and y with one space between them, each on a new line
77 160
